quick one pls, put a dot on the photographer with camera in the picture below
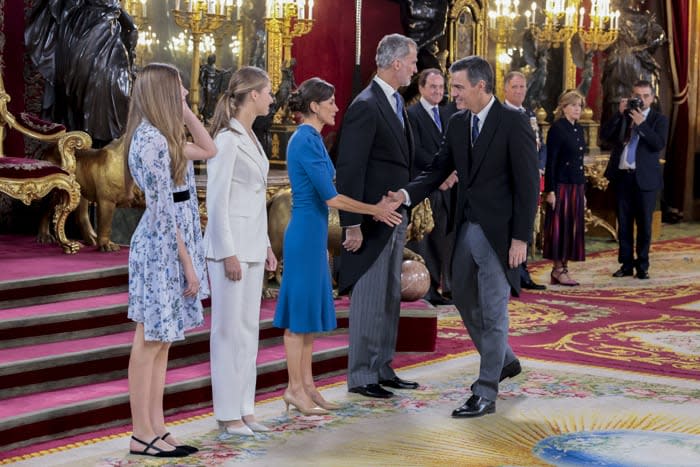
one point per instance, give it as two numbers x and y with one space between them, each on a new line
638 134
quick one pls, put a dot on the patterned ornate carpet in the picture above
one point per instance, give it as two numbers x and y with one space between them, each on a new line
552 414
611 377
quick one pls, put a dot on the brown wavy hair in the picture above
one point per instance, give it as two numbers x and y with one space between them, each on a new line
156 98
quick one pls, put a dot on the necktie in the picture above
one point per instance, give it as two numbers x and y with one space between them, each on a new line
436 117
399 106
475 128
632 147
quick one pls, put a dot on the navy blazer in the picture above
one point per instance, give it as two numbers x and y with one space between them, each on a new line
653 133
375 155
499 189
426 133
566 146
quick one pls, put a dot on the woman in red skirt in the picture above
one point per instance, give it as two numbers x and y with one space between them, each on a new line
564 187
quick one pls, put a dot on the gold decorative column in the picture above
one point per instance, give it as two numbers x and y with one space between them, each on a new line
285 20
200 17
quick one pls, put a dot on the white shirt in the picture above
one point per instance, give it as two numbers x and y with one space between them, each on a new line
512 106
388 92
429 108
624 165
483 113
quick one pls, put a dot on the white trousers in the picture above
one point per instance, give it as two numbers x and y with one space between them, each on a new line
235 323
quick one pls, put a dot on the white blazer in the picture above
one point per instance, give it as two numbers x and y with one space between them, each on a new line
236 204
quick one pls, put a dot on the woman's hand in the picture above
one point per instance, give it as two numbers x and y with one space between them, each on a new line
551 199
192 282
232 268
385 211
271 261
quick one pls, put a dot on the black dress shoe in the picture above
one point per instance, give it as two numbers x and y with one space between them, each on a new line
476 406
372 390
531 285
398 383
437 300
510 370
642 275
623 272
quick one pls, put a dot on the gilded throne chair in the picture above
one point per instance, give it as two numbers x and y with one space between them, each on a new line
27 179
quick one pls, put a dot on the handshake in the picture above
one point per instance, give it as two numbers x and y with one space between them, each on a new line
387 206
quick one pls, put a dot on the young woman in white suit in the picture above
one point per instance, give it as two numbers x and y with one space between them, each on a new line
237 247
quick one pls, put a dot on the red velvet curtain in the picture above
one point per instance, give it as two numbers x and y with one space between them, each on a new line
677 151
328 51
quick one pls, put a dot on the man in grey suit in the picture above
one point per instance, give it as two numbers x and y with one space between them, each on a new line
375 154
494 152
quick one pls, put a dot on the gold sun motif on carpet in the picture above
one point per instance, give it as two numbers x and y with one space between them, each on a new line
522 439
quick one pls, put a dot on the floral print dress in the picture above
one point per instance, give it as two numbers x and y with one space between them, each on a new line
156 276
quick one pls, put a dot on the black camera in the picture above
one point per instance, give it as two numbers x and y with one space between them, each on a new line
634 103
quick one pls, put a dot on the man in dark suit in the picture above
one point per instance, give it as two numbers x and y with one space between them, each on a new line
428 119
515 89
639 135
494 152
375 154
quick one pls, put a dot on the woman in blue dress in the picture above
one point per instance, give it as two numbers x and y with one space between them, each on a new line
305 303
167 273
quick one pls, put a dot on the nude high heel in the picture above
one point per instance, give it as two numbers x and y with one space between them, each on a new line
291 400
321 402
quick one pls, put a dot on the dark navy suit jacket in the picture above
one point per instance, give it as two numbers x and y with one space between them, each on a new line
375 155
653 133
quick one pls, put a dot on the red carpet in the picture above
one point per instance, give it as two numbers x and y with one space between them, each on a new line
642 326
24 258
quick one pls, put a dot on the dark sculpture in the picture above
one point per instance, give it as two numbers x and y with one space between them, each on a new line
583 61
424 21
210 87
85 51
632 57
537 60
287 85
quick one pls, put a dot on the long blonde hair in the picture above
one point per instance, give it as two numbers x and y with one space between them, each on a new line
156 98
242 82
568 97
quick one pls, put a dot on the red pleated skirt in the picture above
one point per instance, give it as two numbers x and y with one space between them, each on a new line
564 225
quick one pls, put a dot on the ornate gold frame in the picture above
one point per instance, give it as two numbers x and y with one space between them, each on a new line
479 11
30 189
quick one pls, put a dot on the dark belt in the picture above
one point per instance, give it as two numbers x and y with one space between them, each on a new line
627 171
180 196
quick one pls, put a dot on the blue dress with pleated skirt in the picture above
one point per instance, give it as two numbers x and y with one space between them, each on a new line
305 302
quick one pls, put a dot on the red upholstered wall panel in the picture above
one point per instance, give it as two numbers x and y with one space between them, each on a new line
328 51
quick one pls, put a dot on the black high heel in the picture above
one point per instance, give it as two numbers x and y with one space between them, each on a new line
185 447
177 452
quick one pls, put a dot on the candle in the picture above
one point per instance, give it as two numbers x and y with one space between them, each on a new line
280 9
581 13
311 9
143 8
189 5
300 9
177 5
